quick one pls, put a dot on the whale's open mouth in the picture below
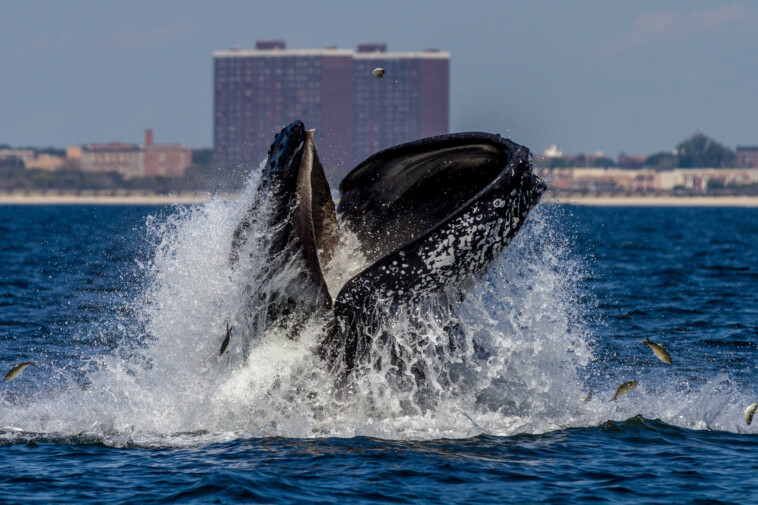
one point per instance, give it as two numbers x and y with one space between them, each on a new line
429 214
397 194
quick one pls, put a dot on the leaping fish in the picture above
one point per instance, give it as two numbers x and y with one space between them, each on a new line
16 370
750 412
625 388
225 343
659 351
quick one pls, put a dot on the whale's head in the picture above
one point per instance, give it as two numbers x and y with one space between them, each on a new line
429 215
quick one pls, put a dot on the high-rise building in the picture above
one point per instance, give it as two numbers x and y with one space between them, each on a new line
409 102
257 92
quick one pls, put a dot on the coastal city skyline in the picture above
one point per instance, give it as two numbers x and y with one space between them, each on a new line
636 79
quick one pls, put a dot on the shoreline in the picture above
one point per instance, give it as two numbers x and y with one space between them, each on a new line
120 198
654 201
125 198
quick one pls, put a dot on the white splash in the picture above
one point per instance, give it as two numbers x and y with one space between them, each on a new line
507 359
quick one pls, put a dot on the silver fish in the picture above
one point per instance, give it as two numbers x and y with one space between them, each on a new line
225 343
378 73
659 351
16 370
625 388
750 412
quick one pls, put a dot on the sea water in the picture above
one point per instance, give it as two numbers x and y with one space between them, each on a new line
123 309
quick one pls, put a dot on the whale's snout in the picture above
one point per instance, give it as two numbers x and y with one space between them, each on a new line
285 153
535 184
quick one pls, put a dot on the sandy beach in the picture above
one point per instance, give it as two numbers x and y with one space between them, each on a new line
655 201
95 198
126 198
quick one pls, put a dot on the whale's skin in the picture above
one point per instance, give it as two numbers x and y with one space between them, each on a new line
429 214
450 248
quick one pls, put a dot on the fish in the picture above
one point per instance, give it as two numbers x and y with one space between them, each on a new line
659 351
749 413
225 343
625 388
378 73
587 397
16 370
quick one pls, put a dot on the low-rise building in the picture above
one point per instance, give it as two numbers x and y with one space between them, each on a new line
646 181
132 160
74 157
747 157
165 160
126 159
46 162
24 155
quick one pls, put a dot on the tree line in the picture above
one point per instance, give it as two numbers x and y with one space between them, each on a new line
697 151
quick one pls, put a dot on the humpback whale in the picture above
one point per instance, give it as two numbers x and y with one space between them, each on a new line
429 214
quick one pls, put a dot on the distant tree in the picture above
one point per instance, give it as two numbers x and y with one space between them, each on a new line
52 151
11 162
603 162
662 161
202 157
5 146
716 184
700 151
557 163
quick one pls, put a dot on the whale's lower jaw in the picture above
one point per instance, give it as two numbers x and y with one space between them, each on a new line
430 214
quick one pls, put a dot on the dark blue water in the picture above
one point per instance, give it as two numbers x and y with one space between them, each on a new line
108 301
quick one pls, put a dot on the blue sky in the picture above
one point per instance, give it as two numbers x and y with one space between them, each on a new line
585 75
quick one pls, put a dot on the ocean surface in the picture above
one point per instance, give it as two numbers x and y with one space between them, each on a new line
123 310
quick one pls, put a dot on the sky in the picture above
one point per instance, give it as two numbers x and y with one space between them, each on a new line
587 75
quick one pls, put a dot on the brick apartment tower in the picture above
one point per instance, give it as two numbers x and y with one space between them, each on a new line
409 103
257 92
